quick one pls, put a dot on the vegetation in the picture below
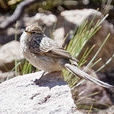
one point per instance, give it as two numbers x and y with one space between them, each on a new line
83 35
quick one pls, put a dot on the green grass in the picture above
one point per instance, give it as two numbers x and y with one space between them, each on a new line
27 68
84 33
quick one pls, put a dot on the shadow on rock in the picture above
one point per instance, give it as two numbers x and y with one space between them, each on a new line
50 80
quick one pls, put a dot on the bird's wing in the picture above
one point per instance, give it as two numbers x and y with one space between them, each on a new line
50 48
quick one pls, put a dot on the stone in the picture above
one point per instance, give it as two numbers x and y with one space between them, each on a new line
8 54
88 94
7 75
107 111
34 95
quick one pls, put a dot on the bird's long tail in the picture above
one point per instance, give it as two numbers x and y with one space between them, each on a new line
76 71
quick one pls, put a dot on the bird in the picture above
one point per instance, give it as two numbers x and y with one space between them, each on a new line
45 54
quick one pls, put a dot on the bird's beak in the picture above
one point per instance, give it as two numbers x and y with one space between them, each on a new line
27 32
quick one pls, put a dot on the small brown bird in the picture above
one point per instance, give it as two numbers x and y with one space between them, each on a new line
45 54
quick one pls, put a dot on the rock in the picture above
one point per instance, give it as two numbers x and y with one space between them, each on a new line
8 54
108 76
77 17
7 75
9 34
30 94
89 94
70 20
107 111
47 19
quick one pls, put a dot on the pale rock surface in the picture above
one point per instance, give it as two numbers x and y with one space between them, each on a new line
8 54
77 17
7 75
22 95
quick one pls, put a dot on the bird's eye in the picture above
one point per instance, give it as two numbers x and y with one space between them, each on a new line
33 32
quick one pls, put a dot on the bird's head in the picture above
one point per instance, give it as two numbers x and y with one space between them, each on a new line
34 29
31 34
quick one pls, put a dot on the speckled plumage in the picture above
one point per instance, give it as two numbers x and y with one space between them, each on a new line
39 50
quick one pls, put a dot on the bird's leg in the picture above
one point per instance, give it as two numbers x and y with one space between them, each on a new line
37 81
44 73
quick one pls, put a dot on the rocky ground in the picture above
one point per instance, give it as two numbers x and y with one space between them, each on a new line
23 95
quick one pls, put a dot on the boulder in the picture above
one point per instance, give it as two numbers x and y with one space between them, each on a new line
107 111
89 95
8 54
34 95
7 75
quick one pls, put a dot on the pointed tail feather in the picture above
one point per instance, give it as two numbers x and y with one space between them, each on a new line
75 70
